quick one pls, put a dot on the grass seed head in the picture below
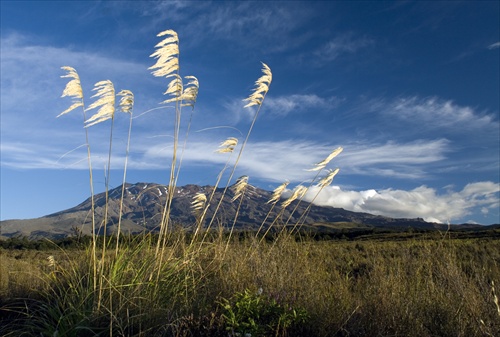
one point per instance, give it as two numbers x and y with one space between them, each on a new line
328 179
325 162
261 87
298 192
239 187
228 145
198 203
190 93
51 261
167 54
278 192
174 88
126 101
495 298
73 89
105 102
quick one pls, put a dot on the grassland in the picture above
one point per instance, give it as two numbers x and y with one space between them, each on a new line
427 285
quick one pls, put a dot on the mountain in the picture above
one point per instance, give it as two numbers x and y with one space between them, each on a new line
143 206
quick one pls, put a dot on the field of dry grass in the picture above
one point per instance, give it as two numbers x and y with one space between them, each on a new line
416 287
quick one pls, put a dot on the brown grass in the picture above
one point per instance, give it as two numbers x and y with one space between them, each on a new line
405 288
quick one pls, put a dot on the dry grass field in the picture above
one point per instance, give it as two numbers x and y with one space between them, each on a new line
414 287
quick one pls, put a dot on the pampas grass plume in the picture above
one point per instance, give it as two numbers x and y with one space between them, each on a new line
239 187
278 192
167 54
51 260
298 192
198 202
73 89
105 102
174 88
261 87
325 162
228 145
328 179
126 101
190 93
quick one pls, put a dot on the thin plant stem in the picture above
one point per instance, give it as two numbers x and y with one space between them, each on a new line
234 223
92 205
127 151
170 192
205 210
106 207
233 170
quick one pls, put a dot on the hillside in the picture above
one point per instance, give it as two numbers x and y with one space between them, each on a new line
143 206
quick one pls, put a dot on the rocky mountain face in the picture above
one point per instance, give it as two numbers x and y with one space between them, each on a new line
143 206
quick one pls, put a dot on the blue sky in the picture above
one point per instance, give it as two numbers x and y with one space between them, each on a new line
410 90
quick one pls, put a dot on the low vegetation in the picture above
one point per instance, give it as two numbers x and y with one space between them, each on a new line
213 280
425 286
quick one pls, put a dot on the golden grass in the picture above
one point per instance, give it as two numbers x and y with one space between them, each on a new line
406 288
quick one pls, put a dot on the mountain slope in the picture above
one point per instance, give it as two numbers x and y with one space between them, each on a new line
144 202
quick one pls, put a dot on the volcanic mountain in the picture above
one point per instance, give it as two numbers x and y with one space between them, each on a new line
143 205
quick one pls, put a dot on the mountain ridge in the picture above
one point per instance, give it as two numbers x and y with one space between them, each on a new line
143 205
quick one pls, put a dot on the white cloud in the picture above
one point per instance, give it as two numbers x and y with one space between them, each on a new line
289 159
32 136
423 202
494 45
437 113
416 152
283 105
237 22
342 44
264 160
398 160
31 84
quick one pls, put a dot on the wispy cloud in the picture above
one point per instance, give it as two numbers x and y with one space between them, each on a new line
264 160
435 113
411 160
32 87
31 82
279 106
495 45
238 22
343 44
471 134
423 201
289 159
283 105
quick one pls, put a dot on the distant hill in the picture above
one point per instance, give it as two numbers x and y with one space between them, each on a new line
144 202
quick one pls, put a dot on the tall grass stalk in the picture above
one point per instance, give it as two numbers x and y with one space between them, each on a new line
189 97
324 182
319 167
255 99
74 90
239 192
105 103
226 146
276 196
167 65
126 106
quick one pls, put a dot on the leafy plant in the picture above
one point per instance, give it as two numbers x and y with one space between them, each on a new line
250 313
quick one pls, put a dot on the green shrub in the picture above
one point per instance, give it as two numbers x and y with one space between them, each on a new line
250 313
